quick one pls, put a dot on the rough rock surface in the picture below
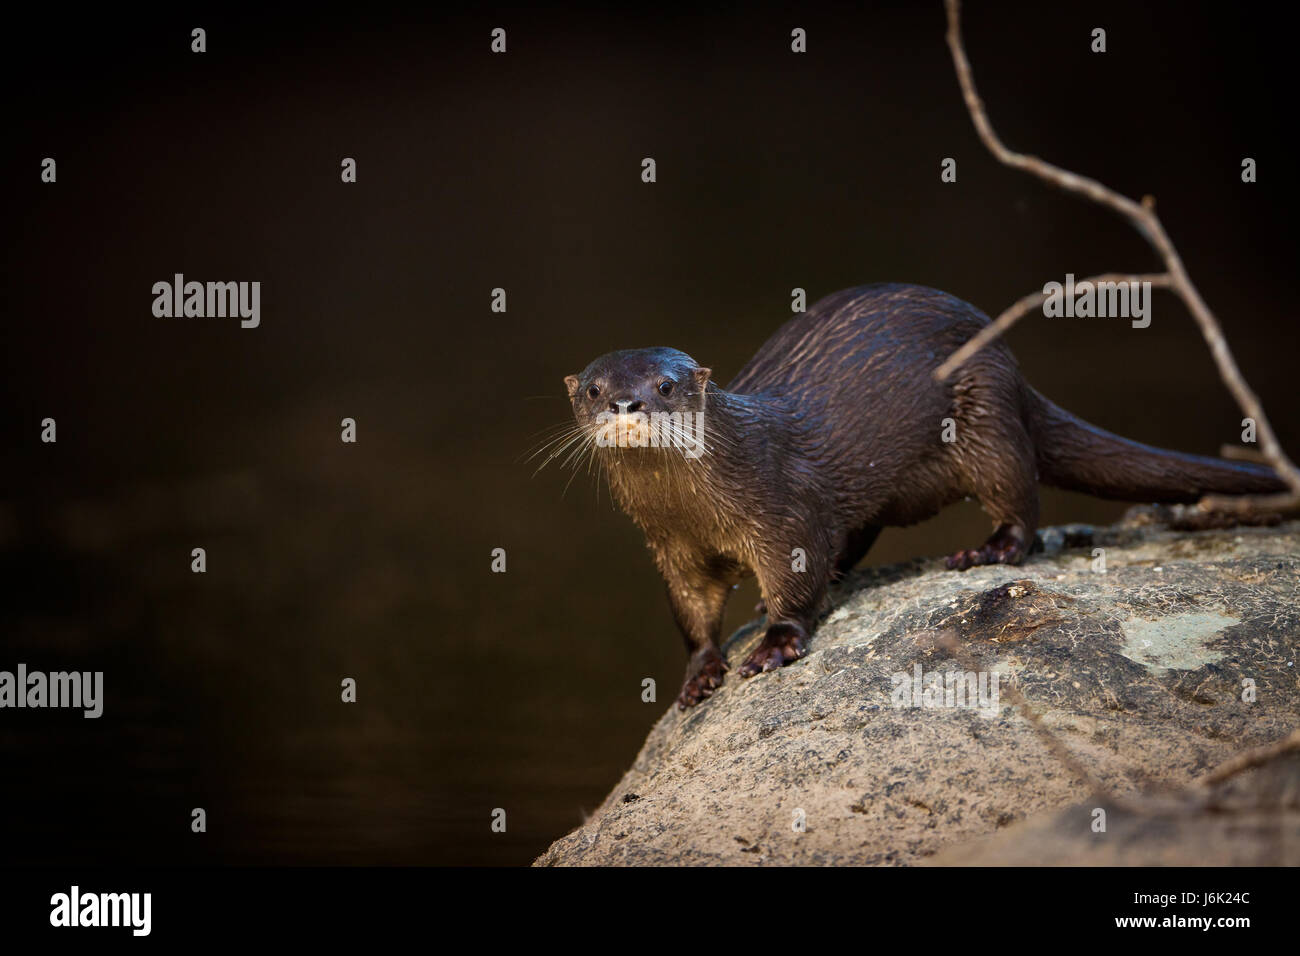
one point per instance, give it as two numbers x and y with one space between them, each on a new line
1181 653
1250 820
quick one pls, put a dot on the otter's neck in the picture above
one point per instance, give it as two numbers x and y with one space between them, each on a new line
663 487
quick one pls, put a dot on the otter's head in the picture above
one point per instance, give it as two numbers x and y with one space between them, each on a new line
641 398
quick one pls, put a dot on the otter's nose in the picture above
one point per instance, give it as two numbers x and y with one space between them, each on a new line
626 406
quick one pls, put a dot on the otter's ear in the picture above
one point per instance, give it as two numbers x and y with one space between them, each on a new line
702 377
572 383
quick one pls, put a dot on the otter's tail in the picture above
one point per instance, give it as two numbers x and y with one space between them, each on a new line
1080 457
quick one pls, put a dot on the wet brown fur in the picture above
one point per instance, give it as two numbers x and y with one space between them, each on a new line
833 431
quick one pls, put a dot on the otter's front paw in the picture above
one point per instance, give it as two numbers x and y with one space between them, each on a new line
782 644
703 677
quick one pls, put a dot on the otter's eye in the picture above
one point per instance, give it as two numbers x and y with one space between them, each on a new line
593 391
666 387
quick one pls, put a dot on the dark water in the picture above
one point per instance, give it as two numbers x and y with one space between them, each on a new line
371 561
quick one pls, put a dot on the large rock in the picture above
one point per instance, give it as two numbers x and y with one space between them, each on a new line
1180 654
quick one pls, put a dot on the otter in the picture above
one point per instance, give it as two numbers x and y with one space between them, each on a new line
833 430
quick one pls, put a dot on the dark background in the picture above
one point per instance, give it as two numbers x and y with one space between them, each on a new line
371 561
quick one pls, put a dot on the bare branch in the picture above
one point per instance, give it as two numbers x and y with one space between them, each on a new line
1252 758
1013 315
1143 218
948 642
1242 453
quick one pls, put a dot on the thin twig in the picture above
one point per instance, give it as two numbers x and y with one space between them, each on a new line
1143 217
949 643
1249 759
1030 302
1242 453
1100 791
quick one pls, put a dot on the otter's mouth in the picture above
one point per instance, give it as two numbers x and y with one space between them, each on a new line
626 430
682 432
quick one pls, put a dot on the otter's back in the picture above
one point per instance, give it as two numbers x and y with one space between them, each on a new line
860 341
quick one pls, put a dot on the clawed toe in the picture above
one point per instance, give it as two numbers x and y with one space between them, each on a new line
703 677
1003 548
782 644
